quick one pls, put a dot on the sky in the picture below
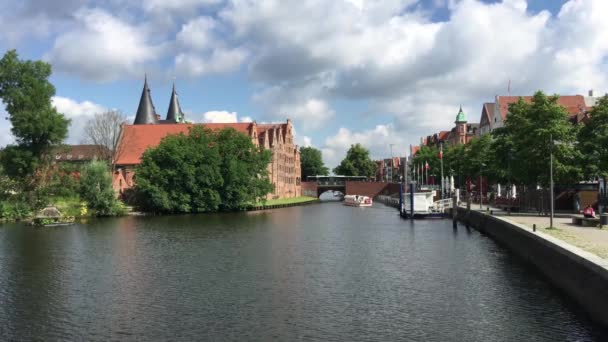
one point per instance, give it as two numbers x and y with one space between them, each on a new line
375 72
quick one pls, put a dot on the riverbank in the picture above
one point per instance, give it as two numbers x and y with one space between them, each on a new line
579 273
283 203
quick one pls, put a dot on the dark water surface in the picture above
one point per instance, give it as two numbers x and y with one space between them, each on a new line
322 272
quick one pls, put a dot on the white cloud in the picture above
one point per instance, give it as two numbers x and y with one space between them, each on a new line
198 33
101 46
177 5
220 117
79 113
306 142
218 61
377 140
246 119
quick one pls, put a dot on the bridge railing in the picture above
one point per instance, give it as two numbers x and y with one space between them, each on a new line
388 200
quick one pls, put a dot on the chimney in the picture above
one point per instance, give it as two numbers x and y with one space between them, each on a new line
591 93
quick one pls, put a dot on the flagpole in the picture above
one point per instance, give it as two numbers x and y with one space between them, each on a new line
441 159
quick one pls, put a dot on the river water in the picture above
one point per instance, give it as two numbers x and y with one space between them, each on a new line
322 272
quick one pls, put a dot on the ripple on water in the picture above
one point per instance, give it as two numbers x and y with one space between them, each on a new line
319 272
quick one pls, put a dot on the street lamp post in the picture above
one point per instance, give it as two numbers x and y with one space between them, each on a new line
392 162
441 161
481 187
551 181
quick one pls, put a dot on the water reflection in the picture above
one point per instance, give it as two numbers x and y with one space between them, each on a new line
322 272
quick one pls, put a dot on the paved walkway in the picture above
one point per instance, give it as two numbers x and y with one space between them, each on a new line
591 239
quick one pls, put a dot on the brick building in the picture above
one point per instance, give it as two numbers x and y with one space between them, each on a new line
494 115
148 130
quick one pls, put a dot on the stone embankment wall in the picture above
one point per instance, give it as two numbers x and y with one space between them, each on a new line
582 275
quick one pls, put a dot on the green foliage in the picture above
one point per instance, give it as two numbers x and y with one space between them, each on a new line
430 155
26 92
243 167
96 189
311 162
14 209
203 171
530 128
356 163
593 141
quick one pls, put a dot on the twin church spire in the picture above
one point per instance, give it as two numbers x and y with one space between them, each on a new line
146 113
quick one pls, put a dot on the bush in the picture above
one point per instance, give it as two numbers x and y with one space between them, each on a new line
96 190
14 210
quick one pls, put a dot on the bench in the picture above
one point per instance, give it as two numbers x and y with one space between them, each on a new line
585 222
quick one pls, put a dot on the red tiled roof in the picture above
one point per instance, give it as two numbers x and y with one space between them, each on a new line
443 135
574 104
136 139
415 149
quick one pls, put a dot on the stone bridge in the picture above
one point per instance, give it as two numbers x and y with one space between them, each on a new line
370 189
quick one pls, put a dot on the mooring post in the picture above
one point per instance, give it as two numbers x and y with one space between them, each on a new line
454 210
412 201
534 227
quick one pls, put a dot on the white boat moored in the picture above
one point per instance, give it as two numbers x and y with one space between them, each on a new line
357 201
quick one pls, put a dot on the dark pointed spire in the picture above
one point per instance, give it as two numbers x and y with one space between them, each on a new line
146 114
174 114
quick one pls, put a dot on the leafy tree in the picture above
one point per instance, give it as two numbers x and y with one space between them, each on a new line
311 163
531 126
37 126
203 171
244 170
356 163
96 189
430 155
593 141
26 92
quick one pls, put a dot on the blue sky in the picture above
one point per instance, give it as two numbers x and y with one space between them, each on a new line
370 71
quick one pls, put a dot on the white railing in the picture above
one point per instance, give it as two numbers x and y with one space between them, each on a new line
441 205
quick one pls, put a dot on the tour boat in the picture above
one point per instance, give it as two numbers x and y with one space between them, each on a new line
357 201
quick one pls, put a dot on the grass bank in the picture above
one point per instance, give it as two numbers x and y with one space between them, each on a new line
293 200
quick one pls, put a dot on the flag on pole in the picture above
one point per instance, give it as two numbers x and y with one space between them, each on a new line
509 87
427 166
441 153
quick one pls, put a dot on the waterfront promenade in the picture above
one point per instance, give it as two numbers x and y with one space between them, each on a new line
590 239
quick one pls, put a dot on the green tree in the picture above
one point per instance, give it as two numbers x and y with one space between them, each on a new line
37 126
244 170
430 155
356 163
531 126
311 162
203 171
96 189
593 141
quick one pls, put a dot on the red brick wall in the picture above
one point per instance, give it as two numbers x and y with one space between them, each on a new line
370 189
309 189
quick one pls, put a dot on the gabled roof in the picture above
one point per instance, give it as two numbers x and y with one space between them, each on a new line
136 139
443 135
414 150
574 104
488 112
